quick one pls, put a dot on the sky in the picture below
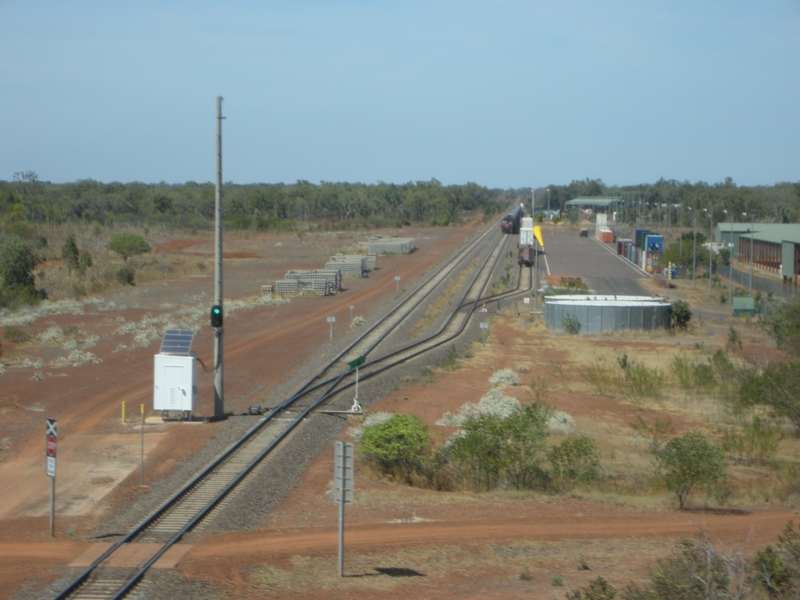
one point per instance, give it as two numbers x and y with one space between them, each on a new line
506 94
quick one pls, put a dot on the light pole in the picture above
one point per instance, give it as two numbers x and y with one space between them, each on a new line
710 248
680 234
752 233
730 261
694 249
548 205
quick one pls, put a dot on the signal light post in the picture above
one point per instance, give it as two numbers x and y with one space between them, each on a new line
216 310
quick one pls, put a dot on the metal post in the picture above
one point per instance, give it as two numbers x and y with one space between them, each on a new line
535 274
730 265
351 314
219 402
669 226
52 505
548 205
341 537
680 234
141 452
710 250
752 239
533 200
694 250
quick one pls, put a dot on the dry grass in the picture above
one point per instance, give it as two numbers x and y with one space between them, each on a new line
498 566
435 309
628 466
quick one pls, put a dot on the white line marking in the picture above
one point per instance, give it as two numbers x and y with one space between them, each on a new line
625 260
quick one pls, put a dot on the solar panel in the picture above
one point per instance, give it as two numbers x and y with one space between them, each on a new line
177 341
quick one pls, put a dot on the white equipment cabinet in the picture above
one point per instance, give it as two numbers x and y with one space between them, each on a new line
175 384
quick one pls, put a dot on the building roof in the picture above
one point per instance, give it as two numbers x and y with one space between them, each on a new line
776 233
595 201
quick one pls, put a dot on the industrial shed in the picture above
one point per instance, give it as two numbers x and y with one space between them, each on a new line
774 247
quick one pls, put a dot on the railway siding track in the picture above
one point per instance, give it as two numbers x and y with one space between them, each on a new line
207 493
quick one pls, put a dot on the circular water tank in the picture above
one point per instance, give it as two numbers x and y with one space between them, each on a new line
595 314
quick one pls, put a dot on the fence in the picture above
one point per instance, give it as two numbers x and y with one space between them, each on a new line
760 284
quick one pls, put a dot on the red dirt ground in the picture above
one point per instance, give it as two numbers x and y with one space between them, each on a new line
263 345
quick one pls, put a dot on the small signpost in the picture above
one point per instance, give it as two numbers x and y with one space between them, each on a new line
484 327
354 364
331 321
397 283
343 488
51 437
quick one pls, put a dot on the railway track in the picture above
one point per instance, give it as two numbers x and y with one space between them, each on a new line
208 492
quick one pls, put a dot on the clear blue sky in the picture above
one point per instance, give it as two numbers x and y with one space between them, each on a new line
503 93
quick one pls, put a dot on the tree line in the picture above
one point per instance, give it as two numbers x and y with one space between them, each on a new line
258 206
778 203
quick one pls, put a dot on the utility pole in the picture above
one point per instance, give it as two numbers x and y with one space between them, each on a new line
533 201
710 250
548 205
219 398
752 239
694 250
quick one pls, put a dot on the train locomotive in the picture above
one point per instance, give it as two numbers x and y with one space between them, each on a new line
511 222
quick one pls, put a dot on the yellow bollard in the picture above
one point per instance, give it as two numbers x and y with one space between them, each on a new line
123 412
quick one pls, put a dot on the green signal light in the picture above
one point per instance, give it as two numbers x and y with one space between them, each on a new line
216 316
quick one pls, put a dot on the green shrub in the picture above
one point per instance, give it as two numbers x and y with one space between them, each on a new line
602 376
571 324
599 589
126 274
757 442
129 244
573 461
778 387
692 375
640 381
783 325
396 447
84 262
16 335
492 448
680 314
17 262
69 252
697 571
450 360
778 570
690 460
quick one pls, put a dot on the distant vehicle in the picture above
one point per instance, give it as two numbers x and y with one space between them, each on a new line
510 223
584 233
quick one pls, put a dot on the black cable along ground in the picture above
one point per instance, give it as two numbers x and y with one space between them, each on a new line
333 388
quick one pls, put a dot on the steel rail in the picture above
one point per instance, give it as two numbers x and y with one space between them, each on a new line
459 256
426 340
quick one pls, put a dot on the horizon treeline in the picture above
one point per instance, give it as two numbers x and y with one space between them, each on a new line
28 201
